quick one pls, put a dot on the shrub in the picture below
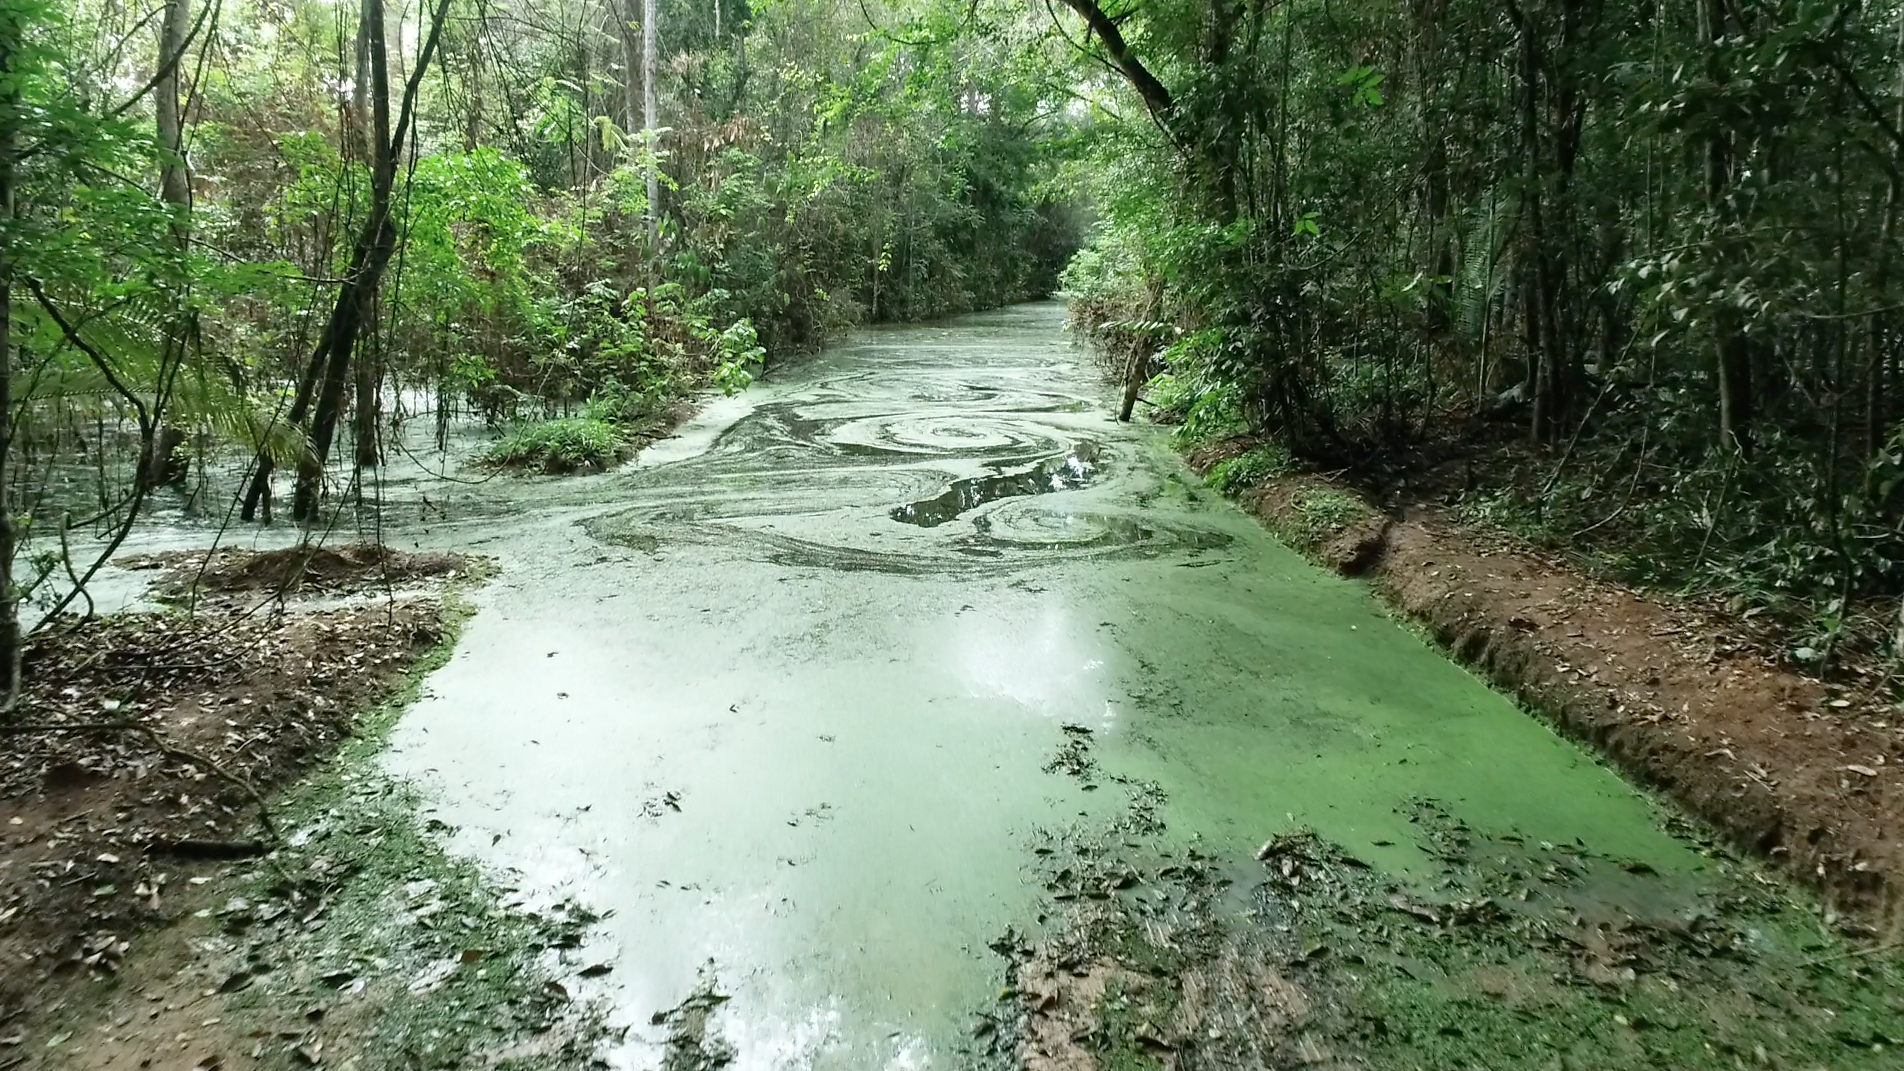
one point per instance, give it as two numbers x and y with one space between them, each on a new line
556 446
1234 475
1321 512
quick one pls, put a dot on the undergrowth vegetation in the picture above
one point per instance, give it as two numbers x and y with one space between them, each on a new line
1622 277
567 444
1234 475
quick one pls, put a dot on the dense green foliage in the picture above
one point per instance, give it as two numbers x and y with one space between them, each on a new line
1634 266
1636 263
278 229
566 444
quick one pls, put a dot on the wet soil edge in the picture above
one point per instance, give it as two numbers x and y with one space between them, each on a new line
328 896
1825 826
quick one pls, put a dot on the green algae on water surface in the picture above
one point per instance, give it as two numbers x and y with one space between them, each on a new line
366 944
1522 956
773 639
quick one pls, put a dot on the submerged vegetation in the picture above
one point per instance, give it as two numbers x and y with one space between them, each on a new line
1516 955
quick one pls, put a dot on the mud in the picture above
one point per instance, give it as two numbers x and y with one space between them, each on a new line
307 569
139 757
338 934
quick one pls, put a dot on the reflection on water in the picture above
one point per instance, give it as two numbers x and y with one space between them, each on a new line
1071 471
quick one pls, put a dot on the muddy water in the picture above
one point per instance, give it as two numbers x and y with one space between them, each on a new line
779 699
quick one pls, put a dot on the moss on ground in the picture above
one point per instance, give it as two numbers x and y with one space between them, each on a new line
1520 956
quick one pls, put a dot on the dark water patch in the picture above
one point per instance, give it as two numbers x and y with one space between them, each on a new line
1066 473
1108 538
1017 535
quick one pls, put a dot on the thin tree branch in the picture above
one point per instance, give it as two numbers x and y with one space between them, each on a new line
105 366
1156 97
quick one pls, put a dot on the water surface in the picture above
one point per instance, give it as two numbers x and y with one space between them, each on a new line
779 698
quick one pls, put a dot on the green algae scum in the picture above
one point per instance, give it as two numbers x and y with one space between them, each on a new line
912 657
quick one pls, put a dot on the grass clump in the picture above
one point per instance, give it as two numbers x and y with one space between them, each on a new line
1321 512
1235 475
570 444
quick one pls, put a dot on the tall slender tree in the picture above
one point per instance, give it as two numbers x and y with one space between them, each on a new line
320 392
10 29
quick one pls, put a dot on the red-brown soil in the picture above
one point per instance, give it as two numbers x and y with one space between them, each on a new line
311 570
139 754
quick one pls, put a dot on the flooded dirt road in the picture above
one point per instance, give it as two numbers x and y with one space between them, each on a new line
789 700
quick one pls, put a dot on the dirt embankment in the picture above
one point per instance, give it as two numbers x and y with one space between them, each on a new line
139 756
1678 693
232 572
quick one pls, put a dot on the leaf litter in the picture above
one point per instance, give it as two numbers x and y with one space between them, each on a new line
159 920
1154 954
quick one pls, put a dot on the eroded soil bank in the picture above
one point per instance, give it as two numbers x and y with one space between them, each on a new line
185 883
1680 693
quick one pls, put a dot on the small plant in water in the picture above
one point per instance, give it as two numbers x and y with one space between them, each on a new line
565 445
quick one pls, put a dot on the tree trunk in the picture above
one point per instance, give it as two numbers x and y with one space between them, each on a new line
9 606
1544 385
1733 359
321 390
629 20
366 409
1133 383
371 255
159 464
650 108
174 180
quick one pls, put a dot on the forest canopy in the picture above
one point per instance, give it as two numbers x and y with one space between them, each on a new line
1630 265
1631 269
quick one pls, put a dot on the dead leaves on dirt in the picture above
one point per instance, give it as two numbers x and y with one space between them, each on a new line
355 567
148 733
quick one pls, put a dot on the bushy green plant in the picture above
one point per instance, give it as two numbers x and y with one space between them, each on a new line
737 353
570 444
1235 475
1322 511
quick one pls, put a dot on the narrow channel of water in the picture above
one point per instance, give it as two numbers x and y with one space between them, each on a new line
793 741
